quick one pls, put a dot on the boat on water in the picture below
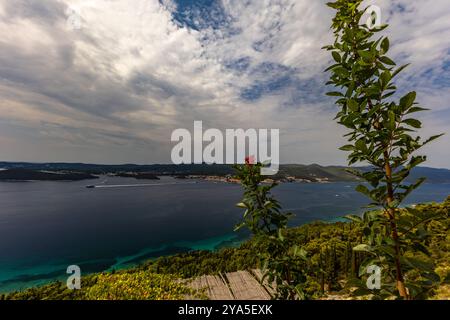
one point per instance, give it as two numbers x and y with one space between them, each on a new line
90 187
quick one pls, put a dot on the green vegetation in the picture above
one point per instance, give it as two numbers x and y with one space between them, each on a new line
140 285
281 260
381 133
26 174
332 266
133 284
313 172
138 175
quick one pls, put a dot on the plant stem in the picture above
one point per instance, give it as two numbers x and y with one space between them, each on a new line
391 215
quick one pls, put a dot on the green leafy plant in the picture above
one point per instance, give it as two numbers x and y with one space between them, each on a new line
282 261
141 285
382 134
132 284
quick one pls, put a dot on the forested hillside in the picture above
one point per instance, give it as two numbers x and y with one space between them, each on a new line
313 172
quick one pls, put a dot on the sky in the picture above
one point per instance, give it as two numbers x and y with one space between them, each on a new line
108 81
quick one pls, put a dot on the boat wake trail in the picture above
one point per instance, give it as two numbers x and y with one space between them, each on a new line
104 186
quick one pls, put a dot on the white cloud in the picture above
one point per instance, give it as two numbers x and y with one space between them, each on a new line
133 73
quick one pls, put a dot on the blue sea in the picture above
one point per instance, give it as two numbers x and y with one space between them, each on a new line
47 226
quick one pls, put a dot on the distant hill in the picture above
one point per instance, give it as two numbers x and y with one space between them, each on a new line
159 169
138 176
313 172
21 174
340 173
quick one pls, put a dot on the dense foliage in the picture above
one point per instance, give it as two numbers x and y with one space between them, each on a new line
130 284
139 285
382 134
333 267
281 260
332 264
26 174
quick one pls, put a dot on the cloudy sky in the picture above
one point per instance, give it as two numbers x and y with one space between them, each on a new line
107 81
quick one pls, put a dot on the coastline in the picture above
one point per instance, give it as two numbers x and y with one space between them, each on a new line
130 262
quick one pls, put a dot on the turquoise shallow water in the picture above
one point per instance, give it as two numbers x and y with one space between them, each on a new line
47 226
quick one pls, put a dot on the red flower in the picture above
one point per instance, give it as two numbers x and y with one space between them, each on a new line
250 160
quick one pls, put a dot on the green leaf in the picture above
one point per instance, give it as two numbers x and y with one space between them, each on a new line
366 55
432 276
350 89
362 248
361 145
361 292
415 161
396 72
385 78
341 72
363 189
331 67
416 109
333 5
385 45
408 100
420 247
387 61
353 105
413 123
417 263
238 227
335 94
241 205
391 120
374 110
347 147
336 56
280 234
432 138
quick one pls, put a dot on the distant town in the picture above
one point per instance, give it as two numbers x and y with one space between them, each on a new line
22 171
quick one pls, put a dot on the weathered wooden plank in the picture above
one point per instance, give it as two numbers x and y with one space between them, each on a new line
240 285
245 287
215 288
258 274
218 289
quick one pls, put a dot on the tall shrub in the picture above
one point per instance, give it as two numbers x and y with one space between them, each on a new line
382 135
282 262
